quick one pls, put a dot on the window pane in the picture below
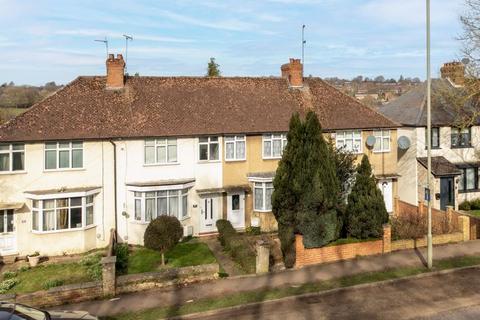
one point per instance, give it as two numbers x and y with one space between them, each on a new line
75 202
64 145
18 146
149 209
268 198
435 138
150 194
236 202
230 138
277 148
77 158
149 155
62 203
240 150
35 220
213 139
267 148
230 150
258 198
172 153
184 206
214 150
18 161
173 206
50 145
470 178
161 154
35 203
50 159
76 218
2 223
386 144
4 147
162 207
89 215
77 144
138 209
9 220
48 220
203 139
62 219
89 199
203 150
150 142
4 162
64 159
461 183
48 204
378 144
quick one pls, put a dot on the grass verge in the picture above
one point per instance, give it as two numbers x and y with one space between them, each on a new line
276 293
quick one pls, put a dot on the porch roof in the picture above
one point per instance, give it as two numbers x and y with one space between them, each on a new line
441 166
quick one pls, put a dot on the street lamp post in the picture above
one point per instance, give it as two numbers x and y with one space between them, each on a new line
429 146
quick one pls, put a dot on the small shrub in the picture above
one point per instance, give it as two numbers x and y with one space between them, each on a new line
237 245
225 230
121 252
9 274
53 283
255 231
465 205
8 284
475 204
162 234
93 266
24 268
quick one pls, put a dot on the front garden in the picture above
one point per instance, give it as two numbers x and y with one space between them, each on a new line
471 207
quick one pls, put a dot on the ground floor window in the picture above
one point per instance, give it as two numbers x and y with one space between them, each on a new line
263 196
152 204
6 221
468 180
62 214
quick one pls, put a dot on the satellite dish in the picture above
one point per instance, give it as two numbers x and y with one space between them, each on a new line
403 143
371 141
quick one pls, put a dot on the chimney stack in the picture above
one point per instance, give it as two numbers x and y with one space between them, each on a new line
455 71
115 71
293 72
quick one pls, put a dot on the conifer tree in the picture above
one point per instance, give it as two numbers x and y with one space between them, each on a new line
366 212
213 68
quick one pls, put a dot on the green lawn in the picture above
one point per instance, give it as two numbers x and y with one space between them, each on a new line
184 254
34 279
475 213
270 294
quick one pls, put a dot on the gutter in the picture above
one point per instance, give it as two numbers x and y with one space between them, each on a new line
114 182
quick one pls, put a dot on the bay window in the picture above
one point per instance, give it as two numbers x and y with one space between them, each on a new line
208 149
63 155
160 151
273 145
235 148
263 196
350 140
62 213
382 141
12 157
152 204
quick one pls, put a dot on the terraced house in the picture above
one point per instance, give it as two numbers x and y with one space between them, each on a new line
116 152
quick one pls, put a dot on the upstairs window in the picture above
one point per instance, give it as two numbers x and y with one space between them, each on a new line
350 141
461 138
273 145
235 148
160 151
63 155
208 149
382 141
435 138
12 157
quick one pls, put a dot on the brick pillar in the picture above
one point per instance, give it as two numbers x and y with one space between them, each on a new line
263 257
299 251
420 207
449 213
464 222
396 206
108 275
387 238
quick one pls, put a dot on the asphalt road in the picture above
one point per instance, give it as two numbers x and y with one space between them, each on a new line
447 296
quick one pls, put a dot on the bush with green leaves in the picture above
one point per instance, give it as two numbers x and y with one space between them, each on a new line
225 229
254 231
9 274
465 205
162 234
8 284
93 265
121 253
366 212
53 283
475 204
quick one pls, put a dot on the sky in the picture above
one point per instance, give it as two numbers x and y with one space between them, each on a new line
47 40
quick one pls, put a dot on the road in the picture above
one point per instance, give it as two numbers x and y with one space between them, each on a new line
447 296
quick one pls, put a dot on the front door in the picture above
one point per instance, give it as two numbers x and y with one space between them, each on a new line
447 192
208 215
386 187
8 239
236 209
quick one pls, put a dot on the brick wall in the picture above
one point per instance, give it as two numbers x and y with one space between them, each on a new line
418 243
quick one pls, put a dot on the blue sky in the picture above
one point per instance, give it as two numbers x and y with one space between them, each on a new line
42 41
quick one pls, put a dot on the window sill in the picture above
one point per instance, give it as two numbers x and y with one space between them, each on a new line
63 170
13 172
144 223
271 158
64 230
161 164
434 148
381 151
262 211
468 191
208 161
235 160
461 147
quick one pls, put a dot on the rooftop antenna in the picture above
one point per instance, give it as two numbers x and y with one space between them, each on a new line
303 48
105 41
127 37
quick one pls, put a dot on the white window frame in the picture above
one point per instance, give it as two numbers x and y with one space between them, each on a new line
380 135
142 197
57 150
208 143
4 215
158 143
262 185
11 150
38 208
235 140
271 137
341 138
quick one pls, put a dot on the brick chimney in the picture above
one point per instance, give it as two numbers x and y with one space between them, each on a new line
455 71
293 72
115 70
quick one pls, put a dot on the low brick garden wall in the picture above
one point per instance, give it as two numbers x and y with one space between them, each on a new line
436 240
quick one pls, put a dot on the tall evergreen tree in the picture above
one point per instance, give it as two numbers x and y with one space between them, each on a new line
213 68
366 212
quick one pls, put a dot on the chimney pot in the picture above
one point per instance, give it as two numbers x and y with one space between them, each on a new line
293 72
455 71
115 71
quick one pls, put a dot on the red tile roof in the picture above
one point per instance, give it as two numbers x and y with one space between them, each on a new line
184 106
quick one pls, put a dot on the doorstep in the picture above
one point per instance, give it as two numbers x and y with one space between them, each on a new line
9 258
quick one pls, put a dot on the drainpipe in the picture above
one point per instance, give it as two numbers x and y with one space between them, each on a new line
115 183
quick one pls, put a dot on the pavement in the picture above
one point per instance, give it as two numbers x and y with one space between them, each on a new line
223 258
452 295
184 294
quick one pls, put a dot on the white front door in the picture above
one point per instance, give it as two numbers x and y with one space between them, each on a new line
208 214
386 187
8 239
236 209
